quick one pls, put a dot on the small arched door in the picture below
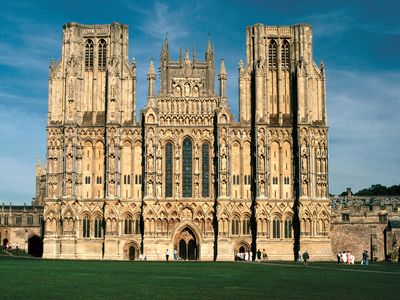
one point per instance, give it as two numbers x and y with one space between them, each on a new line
35 246
132 252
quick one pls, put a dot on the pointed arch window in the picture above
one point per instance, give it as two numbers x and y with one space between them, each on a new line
285 54
86 227
89 55
128 226
288 228
168 169
205 170
235 226
246 226
272 54
187 167
276 228
97 227
102 55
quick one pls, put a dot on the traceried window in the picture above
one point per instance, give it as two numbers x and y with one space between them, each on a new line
128 226
235 226
97 228
168 169
18 220
276 229
205 169
187 167
285 54
30 220
345 217
272 54
246 226
137 226
102 55
89 55
86 227
288 228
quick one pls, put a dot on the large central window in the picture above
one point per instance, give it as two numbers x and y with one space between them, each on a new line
187 168
168 170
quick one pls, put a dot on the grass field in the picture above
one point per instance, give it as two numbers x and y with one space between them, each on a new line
25 278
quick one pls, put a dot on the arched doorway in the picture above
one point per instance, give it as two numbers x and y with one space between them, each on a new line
187 246
5 242
240 249
35 246
131 251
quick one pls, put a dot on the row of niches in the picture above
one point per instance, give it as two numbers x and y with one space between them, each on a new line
187 106
180 88
187 120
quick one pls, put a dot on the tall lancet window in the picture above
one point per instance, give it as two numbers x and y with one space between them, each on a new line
168 169
205 170
89 55
272 55
102 55
187 167
285 54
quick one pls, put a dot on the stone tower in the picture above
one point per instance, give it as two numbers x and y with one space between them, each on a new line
91 99
283 98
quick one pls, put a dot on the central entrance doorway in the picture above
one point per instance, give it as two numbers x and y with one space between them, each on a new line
187 247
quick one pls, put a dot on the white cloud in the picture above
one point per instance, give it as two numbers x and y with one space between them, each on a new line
363 116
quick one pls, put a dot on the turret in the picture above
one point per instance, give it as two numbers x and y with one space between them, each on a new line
151 77
222 76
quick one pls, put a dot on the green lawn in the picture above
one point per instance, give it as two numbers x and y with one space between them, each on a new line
24 278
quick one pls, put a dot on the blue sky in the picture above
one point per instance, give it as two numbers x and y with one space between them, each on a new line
359 43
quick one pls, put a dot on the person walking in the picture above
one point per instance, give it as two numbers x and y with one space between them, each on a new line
306 257
175 254
167 255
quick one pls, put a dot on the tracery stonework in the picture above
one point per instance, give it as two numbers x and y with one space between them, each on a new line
181 177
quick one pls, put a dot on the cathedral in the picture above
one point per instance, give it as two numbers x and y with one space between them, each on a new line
186 175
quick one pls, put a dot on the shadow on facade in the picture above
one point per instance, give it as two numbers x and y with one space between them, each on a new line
35 246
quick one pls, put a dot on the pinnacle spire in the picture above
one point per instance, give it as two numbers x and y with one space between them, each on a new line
222 70
151 68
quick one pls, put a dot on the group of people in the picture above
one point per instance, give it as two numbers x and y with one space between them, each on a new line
246 256
345 258
176 256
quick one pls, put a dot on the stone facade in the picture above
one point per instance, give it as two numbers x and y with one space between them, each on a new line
358 224
186 176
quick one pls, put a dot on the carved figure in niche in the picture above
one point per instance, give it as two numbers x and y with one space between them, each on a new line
112 164
177 189
158 189
150 189
111 188
69 187
223 188
223 163
70 108
262 188
196 189
187 89
150 164
69 163
150 147
195 91
262 163
223 149
159 164
304 164
304 185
